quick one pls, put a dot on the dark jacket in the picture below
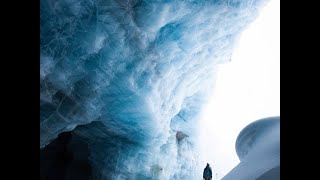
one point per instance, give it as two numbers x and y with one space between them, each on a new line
207 172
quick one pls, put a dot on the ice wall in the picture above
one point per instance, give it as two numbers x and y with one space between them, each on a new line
129 78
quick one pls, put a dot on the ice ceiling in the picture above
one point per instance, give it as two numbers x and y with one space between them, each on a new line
127 79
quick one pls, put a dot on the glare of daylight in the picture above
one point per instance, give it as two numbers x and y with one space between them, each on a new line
246 89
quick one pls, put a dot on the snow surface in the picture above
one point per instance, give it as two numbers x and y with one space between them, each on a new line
129 78
258 148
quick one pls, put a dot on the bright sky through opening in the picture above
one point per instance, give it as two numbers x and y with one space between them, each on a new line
247 89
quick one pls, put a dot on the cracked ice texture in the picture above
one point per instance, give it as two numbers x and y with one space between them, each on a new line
126 76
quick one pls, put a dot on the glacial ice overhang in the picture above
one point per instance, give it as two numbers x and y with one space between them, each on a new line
128 79
258 148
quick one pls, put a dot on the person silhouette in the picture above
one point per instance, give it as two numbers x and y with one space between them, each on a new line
207 172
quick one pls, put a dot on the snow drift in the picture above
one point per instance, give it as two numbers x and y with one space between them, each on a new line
258 148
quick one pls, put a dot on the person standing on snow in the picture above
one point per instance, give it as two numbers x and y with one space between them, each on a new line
207 172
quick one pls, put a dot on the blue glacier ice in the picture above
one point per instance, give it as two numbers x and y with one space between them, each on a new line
128 78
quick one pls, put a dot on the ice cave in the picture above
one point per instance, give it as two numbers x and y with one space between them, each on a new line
122 83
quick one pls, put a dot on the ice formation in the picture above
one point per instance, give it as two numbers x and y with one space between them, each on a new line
128 79
258 148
